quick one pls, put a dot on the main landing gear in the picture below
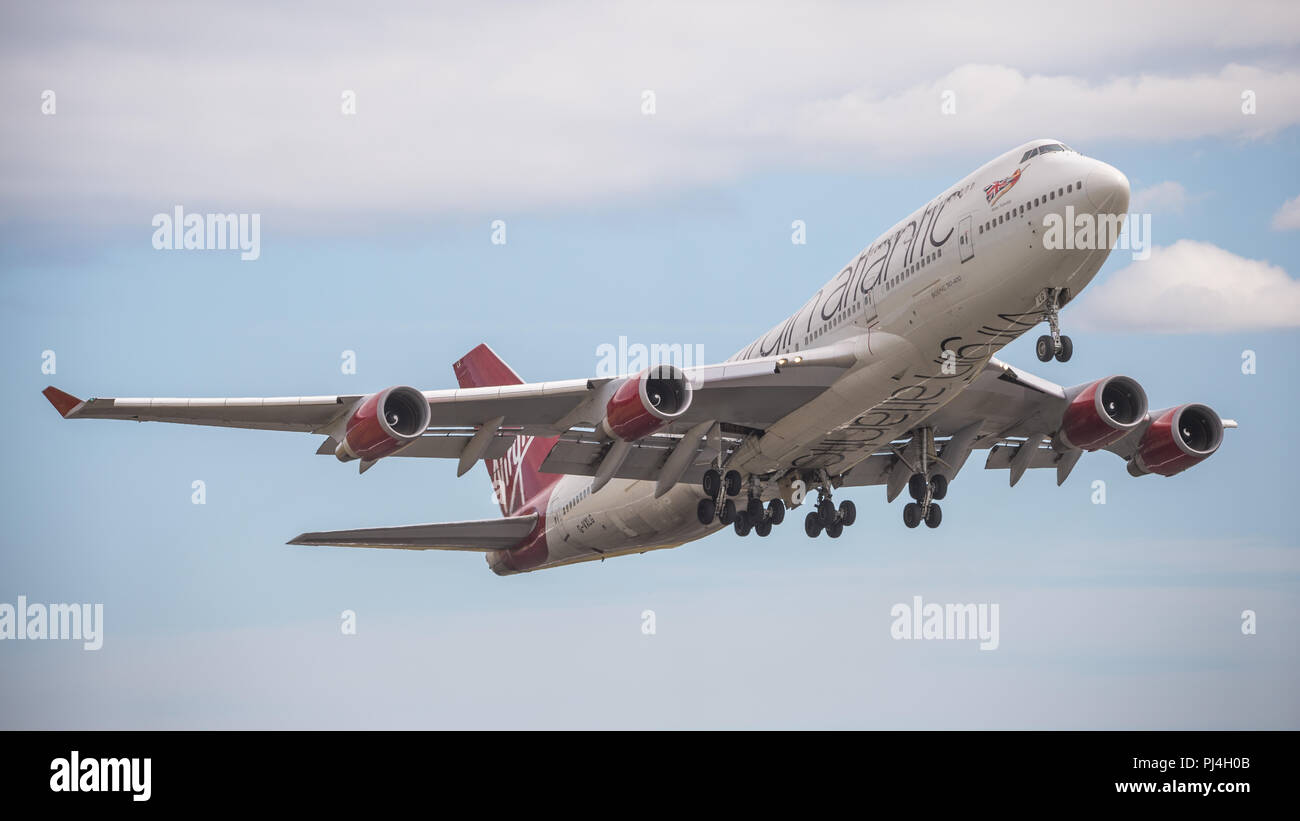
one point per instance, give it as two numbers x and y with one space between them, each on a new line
753 516
927 493
1054 344
924 486
827 517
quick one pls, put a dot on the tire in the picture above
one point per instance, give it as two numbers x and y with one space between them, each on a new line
764 527
754 508
1067 350
1045 349
728 514
911 514
826 509
712 483
938 486
934 516
812 525
705 511
742 524
916 486
776 511
834 529
848 513
733 482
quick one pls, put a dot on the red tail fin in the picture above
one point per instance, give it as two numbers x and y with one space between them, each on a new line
516 477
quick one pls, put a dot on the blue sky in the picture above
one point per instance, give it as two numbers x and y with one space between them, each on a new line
1125 614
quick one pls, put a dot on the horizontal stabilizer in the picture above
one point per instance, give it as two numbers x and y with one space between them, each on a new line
480 534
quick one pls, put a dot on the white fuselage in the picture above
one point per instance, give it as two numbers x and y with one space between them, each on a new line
923 307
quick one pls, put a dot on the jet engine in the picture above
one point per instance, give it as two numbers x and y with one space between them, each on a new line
645 403
1177 439
383 423
1101 413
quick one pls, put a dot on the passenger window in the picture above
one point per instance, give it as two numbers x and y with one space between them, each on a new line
1069 189
1051 195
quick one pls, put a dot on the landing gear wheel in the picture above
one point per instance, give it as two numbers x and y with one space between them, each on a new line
712 483
742 524
848 513
933 516
754 509
834 529
728 514
1045 349
826 509
912 514
776 511
763 527
916 486
1067 350
705 511
938 486
812 525
733 482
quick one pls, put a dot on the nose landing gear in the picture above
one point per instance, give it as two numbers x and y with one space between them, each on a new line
1054 344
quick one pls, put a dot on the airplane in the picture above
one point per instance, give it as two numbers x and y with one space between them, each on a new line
885 376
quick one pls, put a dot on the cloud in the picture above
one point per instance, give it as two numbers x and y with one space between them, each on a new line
1163 196
1192 287
158 107
1287 217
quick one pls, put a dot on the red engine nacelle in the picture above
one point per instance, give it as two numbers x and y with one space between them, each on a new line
645 403
1177 439
384 422
1101 413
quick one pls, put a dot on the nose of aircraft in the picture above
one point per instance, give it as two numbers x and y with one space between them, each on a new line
1108 189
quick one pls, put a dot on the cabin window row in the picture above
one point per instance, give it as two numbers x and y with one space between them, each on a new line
1029 205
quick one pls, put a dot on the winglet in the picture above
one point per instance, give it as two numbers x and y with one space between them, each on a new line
64 403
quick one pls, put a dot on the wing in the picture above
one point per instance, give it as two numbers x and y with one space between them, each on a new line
480 534
1008 411
291 413
482 422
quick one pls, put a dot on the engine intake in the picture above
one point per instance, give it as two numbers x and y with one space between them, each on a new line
645 403
1178 438
383 423
1101 413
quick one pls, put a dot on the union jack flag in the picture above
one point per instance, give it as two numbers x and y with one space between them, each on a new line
994 191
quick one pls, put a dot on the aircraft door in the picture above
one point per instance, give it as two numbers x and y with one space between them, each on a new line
965 240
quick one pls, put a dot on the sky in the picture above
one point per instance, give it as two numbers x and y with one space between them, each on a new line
664 219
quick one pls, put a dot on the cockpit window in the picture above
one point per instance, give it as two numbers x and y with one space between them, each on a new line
1043 149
